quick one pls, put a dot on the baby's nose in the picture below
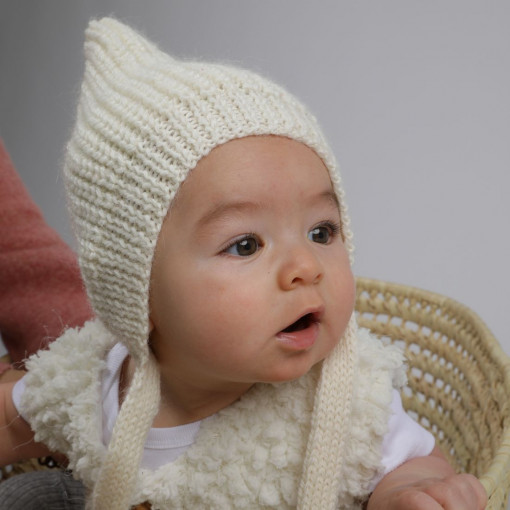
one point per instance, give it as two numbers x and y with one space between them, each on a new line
300 267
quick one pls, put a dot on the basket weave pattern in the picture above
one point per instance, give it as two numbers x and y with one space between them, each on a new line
459 379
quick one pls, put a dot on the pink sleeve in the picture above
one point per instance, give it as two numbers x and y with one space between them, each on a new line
405 439
42 291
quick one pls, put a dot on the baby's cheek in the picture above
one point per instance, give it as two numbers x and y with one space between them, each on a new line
344 286
345 297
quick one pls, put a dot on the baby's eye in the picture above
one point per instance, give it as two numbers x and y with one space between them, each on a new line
244 247
323 233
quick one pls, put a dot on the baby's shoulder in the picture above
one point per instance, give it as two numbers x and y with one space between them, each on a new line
63 390
77 349
378 356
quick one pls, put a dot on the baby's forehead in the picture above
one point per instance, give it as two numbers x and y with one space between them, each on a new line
264 151
253 173
258 157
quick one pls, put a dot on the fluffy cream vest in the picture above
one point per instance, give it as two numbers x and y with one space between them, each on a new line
247 456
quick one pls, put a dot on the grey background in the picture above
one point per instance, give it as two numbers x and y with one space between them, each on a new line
413 97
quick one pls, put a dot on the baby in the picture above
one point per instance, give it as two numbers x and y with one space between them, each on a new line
225 368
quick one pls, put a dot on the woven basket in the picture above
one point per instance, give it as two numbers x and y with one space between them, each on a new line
459 378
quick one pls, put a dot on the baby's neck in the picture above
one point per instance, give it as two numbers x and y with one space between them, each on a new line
176 411
181 403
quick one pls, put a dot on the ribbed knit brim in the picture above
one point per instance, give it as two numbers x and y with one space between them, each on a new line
144 121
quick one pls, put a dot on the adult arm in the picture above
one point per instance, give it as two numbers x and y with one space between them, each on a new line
42 291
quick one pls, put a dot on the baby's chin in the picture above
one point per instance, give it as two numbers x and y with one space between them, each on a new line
292 374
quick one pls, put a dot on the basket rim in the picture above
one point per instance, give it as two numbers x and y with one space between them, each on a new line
498 355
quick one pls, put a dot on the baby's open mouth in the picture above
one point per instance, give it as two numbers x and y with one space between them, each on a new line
302 323
302 334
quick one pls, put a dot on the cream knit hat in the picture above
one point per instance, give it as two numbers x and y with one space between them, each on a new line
144 121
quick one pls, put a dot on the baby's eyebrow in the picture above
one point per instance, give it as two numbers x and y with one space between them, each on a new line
223 209
330 196
227 208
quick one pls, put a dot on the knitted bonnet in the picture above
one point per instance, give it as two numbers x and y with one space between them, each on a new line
144 120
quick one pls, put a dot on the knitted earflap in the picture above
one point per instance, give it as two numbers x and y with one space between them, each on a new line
144 121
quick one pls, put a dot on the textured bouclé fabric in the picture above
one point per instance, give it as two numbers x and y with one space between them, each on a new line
247 456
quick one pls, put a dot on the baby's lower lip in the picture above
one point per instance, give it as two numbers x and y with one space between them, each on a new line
301 340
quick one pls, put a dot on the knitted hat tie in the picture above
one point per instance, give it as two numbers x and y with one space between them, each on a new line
119 473
318 487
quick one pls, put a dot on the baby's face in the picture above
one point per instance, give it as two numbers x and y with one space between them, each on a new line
251 280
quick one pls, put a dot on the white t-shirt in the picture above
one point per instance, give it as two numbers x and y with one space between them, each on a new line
404 440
